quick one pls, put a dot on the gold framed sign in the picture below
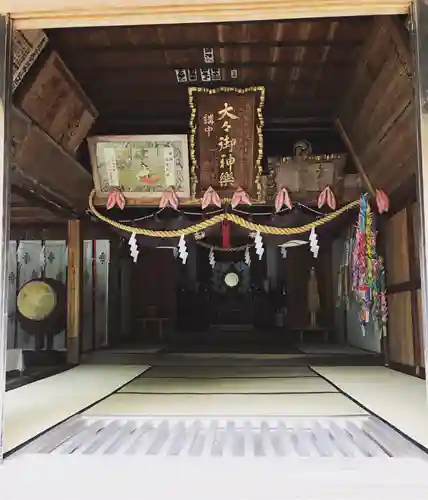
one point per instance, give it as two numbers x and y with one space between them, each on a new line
226 141
143 167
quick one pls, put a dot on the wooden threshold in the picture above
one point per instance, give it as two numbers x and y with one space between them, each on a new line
79 13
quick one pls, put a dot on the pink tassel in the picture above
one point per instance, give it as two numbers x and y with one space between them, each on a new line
321 198
115 197
331 199
240 197
283 198
169 198
210 198
382 201
327 196
279 200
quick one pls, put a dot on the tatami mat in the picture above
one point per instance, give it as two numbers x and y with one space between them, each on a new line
332 349
227 404
34 408
398 398
225 386
234 355
228 371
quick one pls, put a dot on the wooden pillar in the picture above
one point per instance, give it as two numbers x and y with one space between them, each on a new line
74 291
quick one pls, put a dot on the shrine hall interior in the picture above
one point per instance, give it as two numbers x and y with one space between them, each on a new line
340 90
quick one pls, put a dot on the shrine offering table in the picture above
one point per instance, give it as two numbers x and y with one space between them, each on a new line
324 331
159 324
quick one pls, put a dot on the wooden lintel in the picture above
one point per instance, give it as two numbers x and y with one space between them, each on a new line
364 177
74 291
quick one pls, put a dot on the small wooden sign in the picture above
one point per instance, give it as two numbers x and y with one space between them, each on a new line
226 142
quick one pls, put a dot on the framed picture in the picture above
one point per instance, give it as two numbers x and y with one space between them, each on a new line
142 166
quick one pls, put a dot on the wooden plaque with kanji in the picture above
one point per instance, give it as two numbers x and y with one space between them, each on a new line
226 141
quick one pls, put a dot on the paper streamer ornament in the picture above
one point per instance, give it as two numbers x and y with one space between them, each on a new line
247 257
211 258
258 243
133 247
284 252
182 249
313 243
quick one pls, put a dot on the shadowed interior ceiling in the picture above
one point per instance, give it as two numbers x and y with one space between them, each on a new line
137 77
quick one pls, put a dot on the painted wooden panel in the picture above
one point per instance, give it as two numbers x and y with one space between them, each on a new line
88 299
397 249
29 261
400 328
55 256
12 281
102 260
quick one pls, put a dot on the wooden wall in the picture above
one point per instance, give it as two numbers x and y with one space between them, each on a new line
378 115
400 243
378 112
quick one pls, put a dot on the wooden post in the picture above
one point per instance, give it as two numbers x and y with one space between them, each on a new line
74 291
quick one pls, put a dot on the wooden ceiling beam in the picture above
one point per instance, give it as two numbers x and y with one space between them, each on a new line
39 201
102 70
117 50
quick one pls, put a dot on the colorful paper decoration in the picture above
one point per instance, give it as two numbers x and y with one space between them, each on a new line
313 243
283 198
258 243
115 197
365 265
133 247
182 250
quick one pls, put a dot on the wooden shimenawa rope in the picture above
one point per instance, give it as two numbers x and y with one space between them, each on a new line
200 226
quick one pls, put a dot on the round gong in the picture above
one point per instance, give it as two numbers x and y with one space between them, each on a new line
41 306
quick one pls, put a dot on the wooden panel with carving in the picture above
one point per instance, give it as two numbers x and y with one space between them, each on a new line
400 329
40 164
56 102
397 249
